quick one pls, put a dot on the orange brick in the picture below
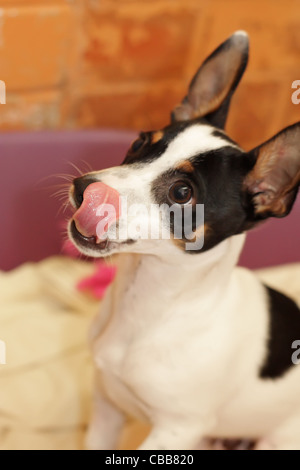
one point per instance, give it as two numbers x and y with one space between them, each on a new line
253 115
33 111
144 41
273 27
138 4
147 109
36 45
17 3
137 57
290 111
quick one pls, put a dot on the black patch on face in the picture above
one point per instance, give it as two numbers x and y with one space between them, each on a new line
160 190
284 329
222 135
217 180
148 151
145 152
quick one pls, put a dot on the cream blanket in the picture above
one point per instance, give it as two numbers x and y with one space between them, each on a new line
45 385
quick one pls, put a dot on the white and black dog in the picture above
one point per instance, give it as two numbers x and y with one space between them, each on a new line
185 339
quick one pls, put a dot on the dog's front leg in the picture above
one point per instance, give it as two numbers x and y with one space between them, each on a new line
174 436
106 424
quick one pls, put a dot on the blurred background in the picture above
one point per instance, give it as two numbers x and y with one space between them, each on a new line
125 63
87 67
82 77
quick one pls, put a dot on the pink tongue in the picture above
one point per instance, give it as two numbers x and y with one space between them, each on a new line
99 209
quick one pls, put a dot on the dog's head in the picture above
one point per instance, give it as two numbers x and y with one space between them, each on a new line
188 186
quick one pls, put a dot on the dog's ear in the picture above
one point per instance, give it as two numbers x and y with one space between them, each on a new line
211 89
272 184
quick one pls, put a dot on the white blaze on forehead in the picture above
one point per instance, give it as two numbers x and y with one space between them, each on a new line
136 180
192 141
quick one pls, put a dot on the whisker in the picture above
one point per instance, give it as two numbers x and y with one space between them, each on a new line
60 192
87 165
63 199
80 172
66 177
63 207
58 186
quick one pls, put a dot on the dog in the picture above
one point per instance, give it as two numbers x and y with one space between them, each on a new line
185 339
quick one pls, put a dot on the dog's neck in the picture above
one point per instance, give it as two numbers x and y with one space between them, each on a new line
157 285
207 273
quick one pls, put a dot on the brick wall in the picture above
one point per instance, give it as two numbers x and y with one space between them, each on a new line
126 63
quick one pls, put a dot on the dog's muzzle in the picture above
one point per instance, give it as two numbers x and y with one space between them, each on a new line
99 208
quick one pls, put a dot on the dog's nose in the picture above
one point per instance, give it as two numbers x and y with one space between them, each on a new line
99 209
80 185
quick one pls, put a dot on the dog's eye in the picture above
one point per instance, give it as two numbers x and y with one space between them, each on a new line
180 192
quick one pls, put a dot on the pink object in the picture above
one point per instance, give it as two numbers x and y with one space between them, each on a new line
99 281
100 208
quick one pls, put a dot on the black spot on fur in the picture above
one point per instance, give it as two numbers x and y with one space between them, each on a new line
217 180
152 151
284 329
222 135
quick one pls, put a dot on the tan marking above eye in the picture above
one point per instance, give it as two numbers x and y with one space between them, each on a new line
156 137
186 166
203 230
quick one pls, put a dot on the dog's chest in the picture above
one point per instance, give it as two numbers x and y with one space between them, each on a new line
120 351
155 325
